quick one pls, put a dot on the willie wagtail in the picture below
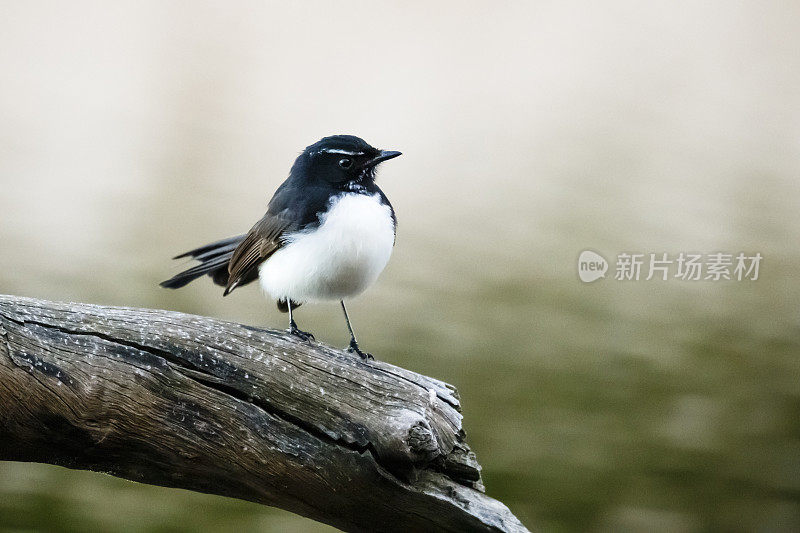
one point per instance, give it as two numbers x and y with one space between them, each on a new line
328 233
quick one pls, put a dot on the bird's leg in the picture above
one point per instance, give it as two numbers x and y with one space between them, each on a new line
293 330
353 348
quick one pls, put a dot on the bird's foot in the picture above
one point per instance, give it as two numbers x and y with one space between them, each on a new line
302 335
353 348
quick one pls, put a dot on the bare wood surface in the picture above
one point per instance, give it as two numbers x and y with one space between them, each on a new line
178 400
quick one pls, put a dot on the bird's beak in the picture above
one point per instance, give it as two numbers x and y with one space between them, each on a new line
383 156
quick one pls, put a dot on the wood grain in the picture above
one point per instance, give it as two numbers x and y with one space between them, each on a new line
185 401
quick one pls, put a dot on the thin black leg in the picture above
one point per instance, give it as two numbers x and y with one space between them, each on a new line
303 335
353 348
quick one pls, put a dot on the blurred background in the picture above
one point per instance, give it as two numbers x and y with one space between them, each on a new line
132 131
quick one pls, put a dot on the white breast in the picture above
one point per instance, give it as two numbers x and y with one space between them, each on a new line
338 259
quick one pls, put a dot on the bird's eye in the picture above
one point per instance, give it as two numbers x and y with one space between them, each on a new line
345 163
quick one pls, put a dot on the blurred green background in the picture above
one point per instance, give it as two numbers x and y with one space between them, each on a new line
131 131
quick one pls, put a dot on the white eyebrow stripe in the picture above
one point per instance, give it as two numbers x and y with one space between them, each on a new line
337 151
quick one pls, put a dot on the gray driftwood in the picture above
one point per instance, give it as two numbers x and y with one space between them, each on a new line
185 401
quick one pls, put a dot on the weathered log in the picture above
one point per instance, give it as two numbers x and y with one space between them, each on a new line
185 401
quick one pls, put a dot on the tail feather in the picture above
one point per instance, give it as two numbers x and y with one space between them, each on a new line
215 247
213 259
217 252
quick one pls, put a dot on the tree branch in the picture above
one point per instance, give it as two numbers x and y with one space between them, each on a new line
185 401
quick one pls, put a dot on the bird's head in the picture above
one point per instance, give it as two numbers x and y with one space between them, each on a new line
343 161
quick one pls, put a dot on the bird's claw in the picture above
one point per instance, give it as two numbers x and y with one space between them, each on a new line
353 348
302 335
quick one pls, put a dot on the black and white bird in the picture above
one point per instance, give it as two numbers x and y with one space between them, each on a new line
328 233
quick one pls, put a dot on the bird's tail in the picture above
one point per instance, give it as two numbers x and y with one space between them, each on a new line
213 259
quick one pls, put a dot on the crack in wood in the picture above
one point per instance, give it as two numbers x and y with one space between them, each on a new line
211 380
180 410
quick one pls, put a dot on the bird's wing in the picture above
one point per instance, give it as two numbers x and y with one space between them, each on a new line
263 240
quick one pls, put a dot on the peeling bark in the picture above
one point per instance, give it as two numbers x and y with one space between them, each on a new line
185 401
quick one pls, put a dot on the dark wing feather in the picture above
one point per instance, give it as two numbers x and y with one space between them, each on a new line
263 240
213 259
215 248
